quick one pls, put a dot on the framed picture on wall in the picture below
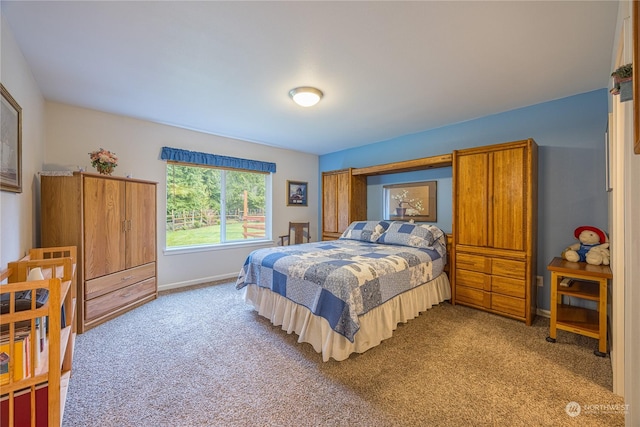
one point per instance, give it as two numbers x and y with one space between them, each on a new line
11 140
296 193
412 201
635 19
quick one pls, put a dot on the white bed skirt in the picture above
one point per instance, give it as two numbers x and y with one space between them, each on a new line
376 325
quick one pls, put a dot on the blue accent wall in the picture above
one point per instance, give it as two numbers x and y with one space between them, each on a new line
571 166
443 178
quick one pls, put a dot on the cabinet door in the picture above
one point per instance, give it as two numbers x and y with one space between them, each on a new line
104 227
343 198
472 179
508 205
140 223
329 203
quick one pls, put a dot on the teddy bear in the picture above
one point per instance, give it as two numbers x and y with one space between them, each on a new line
598 255
592 249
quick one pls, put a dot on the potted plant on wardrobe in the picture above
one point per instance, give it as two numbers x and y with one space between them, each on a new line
622 82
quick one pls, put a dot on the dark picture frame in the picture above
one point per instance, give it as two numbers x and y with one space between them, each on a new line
297 193
411 201
11 143
635 19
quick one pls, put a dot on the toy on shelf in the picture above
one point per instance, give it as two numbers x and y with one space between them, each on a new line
593 246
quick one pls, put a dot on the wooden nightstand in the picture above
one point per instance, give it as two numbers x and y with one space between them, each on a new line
588 282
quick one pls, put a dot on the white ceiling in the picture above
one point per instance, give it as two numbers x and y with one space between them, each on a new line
387 69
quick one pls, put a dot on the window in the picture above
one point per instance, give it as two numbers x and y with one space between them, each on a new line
208 205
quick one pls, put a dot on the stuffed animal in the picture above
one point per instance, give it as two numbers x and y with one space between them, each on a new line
592 249
598 255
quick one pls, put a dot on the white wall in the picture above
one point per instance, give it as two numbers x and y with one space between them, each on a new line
72 132
18 210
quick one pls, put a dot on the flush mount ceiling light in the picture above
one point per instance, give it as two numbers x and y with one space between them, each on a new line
305 96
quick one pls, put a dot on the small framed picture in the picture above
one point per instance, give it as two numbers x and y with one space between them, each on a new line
11 139
296 193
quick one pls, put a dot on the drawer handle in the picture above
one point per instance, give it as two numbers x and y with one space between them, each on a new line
126 278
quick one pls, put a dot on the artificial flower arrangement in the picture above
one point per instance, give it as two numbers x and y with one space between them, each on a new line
104 161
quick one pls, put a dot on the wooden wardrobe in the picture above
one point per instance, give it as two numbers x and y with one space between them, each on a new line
495 228
344 200
112 221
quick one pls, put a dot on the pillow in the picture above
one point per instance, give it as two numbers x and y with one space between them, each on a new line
408 234
366 231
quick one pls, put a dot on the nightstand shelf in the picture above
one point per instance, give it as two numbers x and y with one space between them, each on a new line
588 282
581 289
578 320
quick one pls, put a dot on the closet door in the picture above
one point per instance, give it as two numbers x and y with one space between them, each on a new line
472 189
140 223
343 199
104 226
508 199
329 203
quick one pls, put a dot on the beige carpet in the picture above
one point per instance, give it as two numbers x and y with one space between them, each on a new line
203 357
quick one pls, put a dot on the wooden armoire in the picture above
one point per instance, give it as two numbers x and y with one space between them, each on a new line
112 221
344 200
495 228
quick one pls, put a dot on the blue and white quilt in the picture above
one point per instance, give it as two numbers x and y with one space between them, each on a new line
342 279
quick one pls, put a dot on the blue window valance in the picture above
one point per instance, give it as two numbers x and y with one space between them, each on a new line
195 157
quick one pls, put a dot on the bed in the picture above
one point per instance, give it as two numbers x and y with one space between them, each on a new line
348 295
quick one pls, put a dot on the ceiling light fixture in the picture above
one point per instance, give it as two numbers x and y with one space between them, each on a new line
305 96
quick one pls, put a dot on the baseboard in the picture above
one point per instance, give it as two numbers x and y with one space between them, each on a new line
543 313
187 283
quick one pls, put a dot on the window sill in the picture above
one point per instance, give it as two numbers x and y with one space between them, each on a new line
218 247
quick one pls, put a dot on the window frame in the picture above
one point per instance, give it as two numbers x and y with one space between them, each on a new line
254 242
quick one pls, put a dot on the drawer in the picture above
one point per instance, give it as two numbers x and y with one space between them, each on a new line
508 286
508 305
473 296
105 284
473 262
473 279
509 268
107 304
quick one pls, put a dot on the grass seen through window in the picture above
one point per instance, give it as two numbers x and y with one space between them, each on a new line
203 235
